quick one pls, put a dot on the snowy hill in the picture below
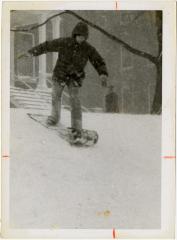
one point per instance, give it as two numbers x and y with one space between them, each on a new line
113 184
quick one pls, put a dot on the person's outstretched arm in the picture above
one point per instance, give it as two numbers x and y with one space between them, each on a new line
48 46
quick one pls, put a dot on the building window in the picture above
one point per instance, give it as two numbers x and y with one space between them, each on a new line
126 59
24 66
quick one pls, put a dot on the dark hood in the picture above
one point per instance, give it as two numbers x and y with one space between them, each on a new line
81 29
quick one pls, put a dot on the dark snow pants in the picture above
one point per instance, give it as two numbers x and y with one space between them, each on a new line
76 111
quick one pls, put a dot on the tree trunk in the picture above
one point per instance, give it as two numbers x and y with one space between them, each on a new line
157 102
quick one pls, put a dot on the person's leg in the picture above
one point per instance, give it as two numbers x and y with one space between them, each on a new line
76 111
57 90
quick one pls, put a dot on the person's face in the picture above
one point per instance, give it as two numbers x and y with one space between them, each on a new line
80 39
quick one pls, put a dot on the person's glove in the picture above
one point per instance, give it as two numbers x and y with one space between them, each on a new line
24 55
104 80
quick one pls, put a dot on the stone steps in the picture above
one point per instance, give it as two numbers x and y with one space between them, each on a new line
30 99
35 99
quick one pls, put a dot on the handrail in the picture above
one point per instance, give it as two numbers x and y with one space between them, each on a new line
20 80
30 88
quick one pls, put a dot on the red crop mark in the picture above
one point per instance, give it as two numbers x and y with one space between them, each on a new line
5 156
169 157
113 233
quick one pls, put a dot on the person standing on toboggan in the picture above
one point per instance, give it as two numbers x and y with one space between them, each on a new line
73 55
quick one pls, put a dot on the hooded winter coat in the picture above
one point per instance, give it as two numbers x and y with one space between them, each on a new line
72 56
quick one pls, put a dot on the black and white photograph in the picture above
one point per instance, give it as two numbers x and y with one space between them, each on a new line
86 129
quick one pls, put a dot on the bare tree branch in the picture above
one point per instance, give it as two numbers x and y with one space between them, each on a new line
140 53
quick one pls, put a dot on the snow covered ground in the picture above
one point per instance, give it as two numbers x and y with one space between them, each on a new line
115 184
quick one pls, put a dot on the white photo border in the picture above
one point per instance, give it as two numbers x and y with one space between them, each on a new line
168 119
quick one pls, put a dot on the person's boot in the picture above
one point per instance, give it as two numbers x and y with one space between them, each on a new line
77 136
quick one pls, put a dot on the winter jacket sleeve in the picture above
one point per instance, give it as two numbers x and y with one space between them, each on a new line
48 46
97 61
